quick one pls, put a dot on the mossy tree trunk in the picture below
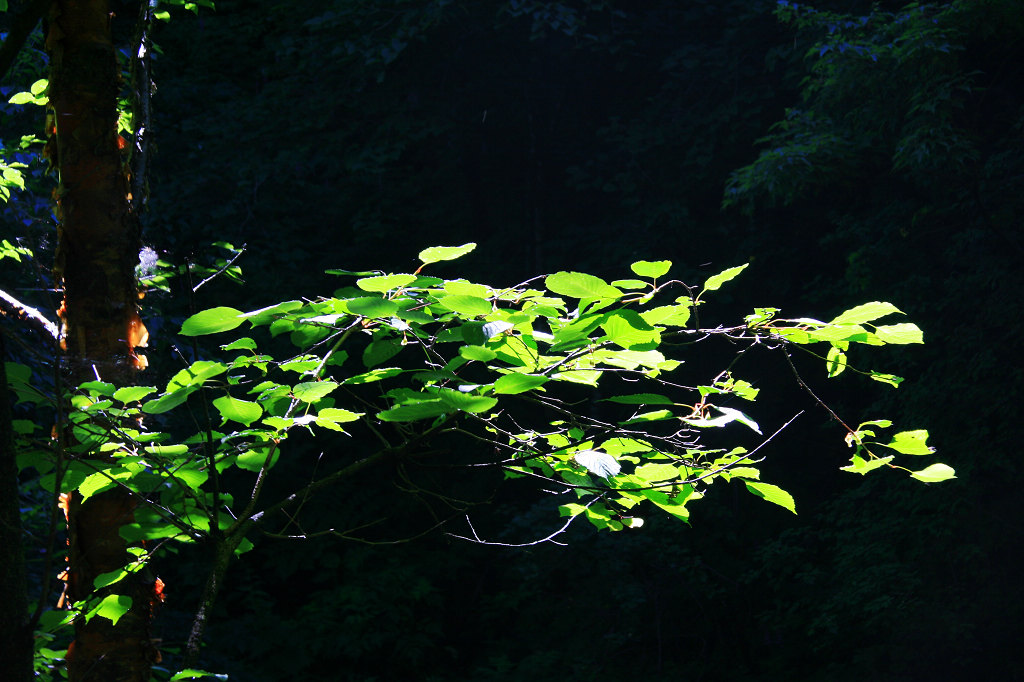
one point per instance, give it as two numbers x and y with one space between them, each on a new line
97 252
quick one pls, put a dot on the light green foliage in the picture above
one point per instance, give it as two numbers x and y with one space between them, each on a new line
422 365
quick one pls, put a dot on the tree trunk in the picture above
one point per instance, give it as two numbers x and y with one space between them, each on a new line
98 247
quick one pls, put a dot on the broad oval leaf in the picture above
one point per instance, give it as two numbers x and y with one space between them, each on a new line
580 285
211 321
935 473
466 305
241 411
646 268
511 384
911 443
371 306
415 411
436 254
311 391
772 493
385 282
130 394
906 332
112 607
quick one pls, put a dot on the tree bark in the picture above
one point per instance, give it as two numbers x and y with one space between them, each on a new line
98 247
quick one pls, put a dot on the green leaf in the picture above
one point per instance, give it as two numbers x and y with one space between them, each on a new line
270 313
478 353
466 305
371 306
244 343
867 312
312 391
728 416
466 402
835 361
631 284
385 282
195 375
627 328
657 472
168 401
167 450
655 416
641 399
646 268
580 285
890 379
715 282
911 443
336 414
193 674
380 351
241 411
436 254
112 608
518 383
772 493
374 375
935 473
906 332
674 315
460 287
862 466
109 578
415 411
98 388
211 321
253 460
130 394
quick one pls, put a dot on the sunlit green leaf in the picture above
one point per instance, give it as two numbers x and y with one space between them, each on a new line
130 394
935 473
905 332
241 411
890 379
580 285
674 315
415 411
716 281
862 466
867 312
518 383
112 607
211 321
772 493
651 268
911 443
312 391
657 472
466 305
478 353
385 282
641 399
436 254
835 361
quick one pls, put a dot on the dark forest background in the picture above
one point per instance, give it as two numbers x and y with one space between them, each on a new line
851 151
